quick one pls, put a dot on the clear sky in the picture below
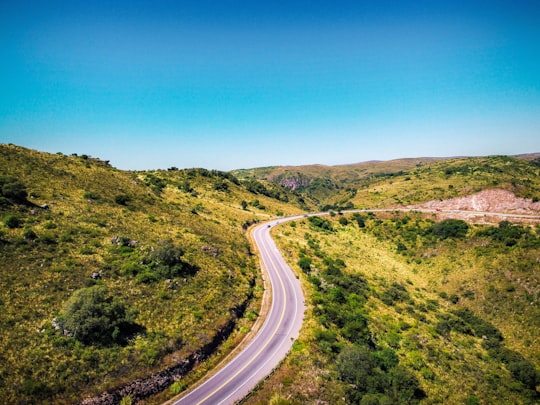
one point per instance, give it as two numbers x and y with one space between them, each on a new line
237 84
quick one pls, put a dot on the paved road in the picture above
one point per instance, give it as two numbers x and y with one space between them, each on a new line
236 379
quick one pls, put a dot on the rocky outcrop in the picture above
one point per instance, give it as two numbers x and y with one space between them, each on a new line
294 183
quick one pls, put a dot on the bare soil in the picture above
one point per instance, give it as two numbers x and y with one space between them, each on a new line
475 206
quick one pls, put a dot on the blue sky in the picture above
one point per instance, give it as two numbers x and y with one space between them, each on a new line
237 84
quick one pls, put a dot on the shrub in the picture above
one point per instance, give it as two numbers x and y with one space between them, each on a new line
177 387
321 223
360 220
92 316
478 325
29 234
395 293
122 199
13 189
166 262
401 247
90 195
147 277
221 186
12 221
167 253
86 250
305 264
132 268
506 233
450 228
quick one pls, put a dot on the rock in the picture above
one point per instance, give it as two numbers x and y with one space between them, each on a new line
210 250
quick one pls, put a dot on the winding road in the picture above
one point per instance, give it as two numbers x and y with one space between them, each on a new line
282 325
274 340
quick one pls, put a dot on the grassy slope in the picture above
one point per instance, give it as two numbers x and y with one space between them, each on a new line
452 178
498 283
199 210
407 181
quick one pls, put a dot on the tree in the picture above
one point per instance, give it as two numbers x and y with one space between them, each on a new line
167 253
166 262
92 316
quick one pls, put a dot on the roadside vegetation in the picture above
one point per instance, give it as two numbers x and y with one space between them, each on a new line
107 276
406 309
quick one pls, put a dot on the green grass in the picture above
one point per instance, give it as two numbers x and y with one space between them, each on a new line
459 313
412 298
405 181
53 252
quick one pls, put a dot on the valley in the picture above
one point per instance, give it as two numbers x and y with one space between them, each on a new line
402 306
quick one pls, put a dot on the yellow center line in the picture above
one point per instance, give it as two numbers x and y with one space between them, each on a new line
267 342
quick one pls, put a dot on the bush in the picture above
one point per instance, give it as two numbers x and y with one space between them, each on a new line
29 234
122 199
305 264
12 221
360 220
480 327
395 293
450 228
90 195
93 317
12 189
167 253
506 233
318 222
343 221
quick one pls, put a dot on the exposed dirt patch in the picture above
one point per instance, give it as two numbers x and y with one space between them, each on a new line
486 201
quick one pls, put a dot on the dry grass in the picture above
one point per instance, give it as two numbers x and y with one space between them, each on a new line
74 240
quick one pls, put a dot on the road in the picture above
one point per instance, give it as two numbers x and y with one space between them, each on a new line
274 340
282 325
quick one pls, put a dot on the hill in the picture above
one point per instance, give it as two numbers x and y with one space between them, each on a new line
406 308
166 250
112 276
402 181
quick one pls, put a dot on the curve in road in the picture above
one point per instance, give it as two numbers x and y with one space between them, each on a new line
238 377
270 346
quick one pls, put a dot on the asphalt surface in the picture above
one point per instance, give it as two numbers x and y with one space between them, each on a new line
236 379
274 340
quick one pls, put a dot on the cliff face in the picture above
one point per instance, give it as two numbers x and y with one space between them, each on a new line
294 183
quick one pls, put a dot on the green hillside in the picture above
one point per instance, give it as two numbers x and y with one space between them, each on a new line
108 276
165 250
403 309
403 181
